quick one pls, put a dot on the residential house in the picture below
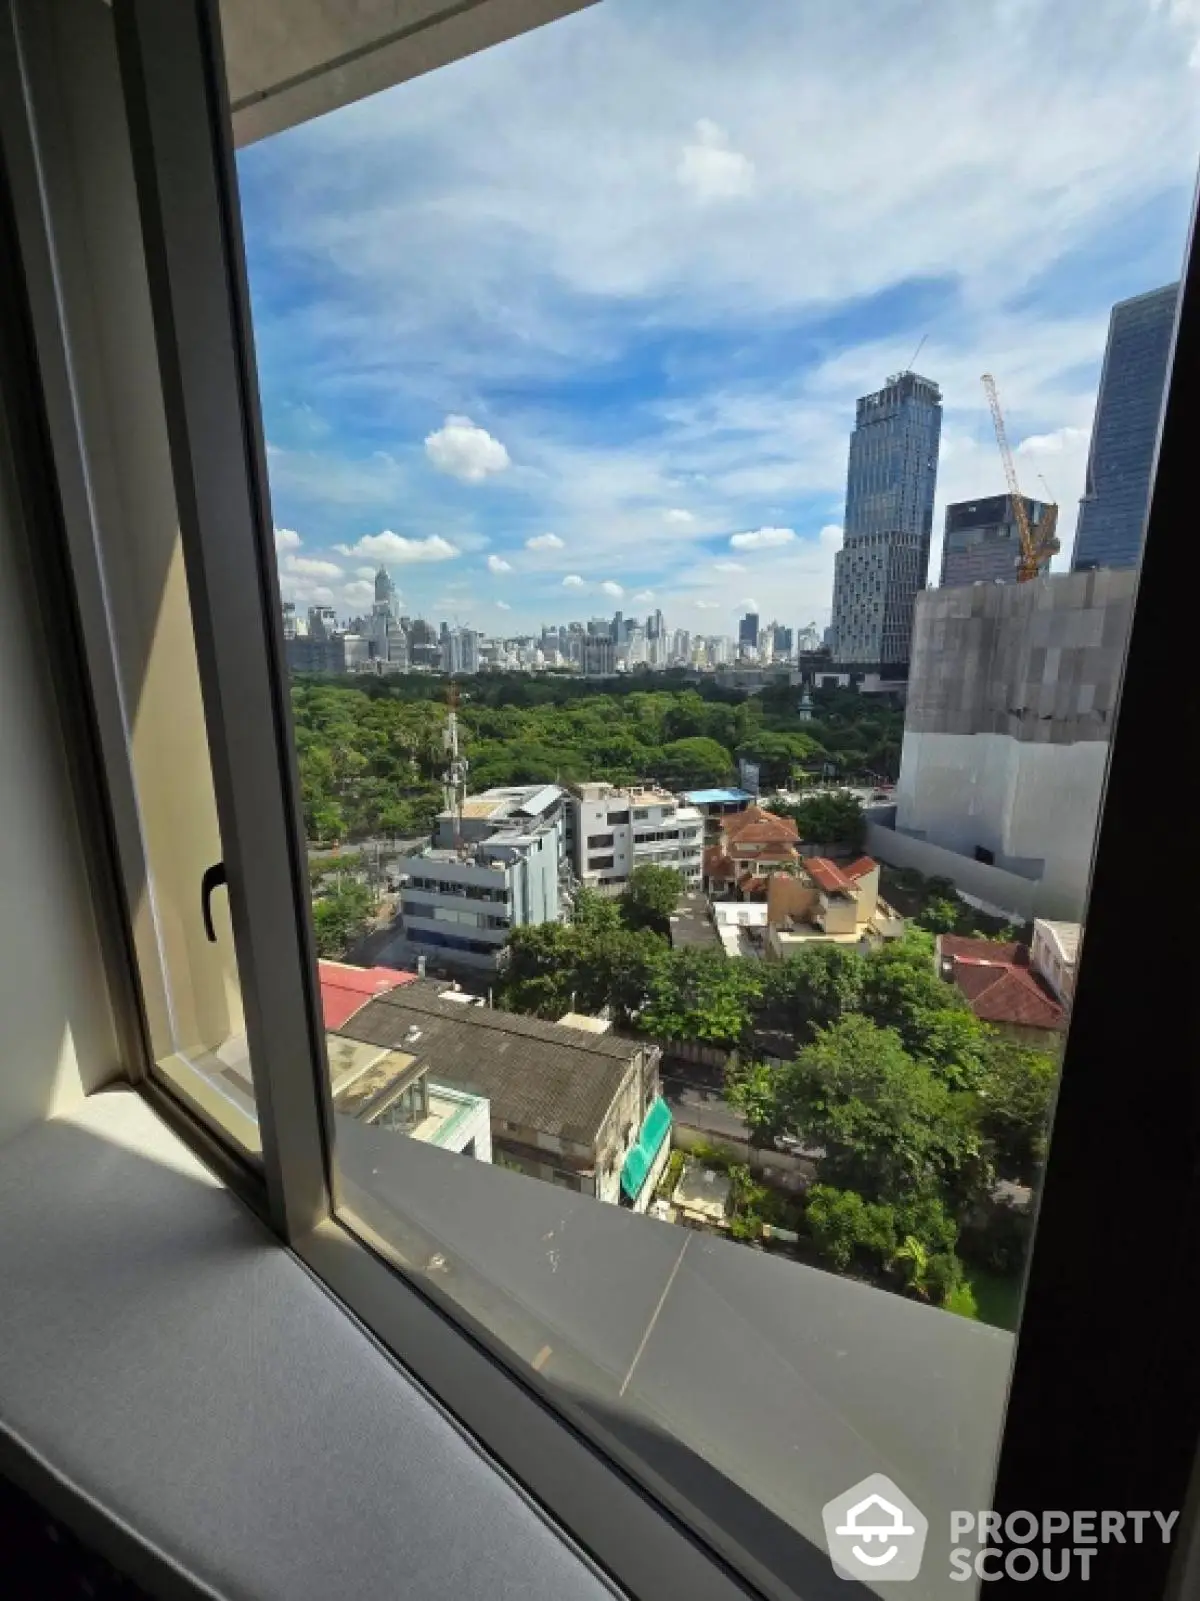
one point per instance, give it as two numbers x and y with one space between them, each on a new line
751 847
1002 988
830 902
715 804
574 1107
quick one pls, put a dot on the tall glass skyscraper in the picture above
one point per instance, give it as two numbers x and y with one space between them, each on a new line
890 485
1112 513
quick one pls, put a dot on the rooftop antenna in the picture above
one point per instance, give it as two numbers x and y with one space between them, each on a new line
454 779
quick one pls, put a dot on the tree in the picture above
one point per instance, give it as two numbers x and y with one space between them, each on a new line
1016 1086
811 990
888 1127
844 1227
597 913
341 919
901 990
650 896
702 996
827 819
693 764
752 1088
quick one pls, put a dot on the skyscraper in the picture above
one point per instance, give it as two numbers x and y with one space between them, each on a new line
748 631
1112 512
890 484
982 543
385 590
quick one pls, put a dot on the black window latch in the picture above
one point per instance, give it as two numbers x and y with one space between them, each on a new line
213 877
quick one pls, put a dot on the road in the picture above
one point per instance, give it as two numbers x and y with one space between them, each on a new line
698 1107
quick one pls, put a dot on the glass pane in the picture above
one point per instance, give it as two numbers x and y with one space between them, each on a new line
675 842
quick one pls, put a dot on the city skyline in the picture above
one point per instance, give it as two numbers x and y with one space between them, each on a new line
623 363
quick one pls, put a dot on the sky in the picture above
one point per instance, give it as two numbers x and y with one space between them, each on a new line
577 324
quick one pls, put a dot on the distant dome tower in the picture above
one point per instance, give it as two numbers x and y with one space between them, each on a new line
385 590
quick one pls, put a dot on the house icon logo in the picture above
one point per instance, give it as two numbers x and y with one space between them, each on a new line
875 1532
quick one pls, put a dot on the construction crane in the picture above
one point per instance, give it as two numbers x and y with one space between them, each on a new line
1038 542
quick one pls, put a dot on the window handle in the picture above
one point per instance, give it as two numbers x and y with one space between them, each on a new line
213 877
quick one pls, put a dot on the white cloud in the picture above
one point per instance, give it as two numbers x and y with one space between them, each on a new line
573 581
287 539
750 603
497 564
707 605
388 546
678 518
358 592
710 169
544 542
465 451
502 605
310 567
729 567
1055 444
763 539
643 595
366 572
608 587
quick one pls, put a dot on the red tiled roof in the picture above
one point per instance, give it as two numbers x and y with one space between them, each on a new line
860 868
827 875
345 989
755 824
1003 993
750 884
961 947
782 851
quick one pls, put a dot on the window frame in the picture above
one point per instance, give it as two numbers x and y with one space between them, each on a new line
1063 1443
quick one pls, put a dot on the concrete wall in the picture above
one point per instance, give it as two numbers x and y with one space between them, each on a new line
1035 807
1019 898
1011 701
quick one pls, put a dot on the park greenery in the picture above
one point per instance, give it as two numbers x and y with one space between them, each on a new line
371 753
910 1107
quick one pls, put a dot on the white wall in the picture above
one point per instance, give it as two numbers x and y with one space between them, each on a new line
1035 806
56 1034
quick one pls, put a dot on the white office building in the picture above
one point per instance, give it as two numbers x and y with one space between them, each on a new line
501 864
614 831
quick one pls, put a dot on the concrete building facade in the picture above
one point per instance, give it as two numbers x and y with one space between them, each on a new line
1011 698
613 831
982 541
1112 513
462 896
890 482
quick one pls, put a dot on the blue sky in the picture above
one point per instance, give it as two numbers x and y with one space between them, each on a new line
578 323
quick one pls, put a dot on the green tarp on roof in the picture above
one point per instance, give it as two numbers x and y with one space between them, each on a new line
638 1163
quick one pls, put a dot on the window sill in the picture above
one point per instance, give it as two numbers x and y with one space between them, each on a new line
175 1386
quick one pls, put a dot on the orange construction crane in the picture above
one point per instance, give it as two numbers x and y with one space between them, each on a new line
1040 542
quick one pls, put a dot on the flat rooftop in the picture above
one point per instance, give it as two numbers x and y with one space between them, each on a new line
711 797
546 1076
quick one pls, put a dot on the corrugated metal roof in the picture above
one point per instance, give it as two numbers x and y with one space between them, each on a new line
560 1081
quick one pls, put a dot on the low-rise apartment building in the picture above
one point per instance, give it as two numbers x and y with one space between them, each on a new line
498 865
828 902
614 831
569 1105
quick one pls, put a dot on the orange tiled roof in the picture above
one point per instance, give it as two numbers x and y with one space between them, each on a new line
828 876
756 825
860 868
1007 994
716 863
